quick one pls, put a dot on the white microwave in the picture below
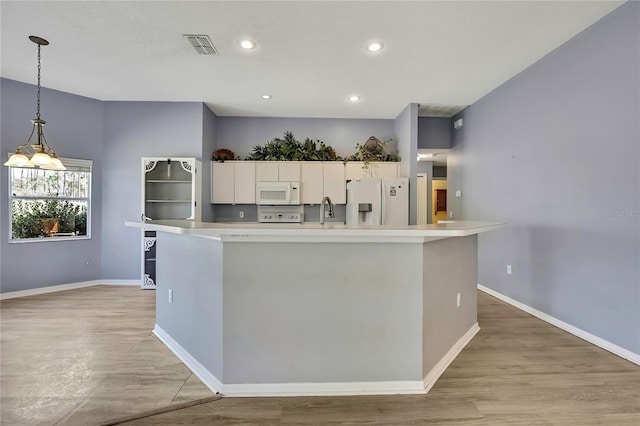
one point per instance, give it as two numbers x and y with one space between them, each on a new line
277 193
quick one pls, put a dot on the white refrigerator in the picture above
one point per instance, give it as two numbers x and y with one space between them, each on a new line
378 201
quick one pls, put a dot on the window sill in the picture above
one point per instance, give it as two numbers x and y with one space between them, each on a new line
47 239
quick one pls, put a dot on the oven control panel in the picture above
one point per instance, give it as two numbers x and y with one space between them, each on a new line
280 217
280 214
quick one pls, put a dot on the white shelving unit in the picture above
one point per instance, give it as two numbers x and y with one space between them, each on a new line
171 189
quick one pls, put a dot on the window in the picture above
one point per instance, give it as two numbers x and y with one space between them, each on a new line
49 204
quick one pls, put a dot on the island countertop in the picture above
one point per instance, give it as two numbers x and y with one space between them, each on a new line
314 231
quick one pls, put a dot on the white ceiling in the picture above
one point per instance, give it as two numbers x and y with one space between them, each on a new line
310 55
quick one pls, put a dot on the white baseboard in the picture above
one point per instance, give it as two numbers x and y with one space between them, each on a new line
198 369
584 335
63 287
137 283
286 389
324 389
432 377
50 289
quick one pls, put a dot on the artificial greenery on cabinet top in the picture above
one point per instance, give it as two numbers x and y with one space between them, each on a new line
289 148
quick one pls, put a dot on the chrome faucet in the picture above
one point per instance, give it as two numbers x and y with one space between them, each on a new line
322 209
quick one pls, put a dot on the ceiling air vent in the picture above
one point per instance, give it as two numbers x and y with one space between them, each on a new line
202 44
437 110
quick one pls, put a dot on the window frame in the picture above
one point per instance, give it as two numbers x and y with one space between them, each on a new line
70 163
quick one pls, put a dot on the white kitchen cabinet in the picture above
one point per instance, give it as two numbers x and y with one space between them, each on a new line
384 169
171 189
334 182
289 171
360 169
274 171
266 171
355 170
244 182
223 182
311 182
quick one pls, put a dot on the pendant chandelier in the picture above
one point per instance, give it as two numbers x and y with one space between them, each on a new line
40 154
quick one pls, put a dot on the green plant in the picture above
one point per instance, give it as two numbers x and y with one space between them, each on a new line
373 150
290 149
41 218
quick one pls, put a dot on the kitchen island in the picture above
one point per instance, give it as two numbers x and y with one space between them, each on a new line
310 309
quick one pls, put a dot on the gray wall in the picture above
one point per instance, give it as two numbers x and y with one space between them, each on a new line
74 130
434 133
364 312
554 152
241 134
133 130
406 130
440 172
209 145
445 276
192 269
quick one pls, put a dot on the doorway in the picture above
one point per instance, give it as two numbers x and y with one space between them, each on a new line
423 199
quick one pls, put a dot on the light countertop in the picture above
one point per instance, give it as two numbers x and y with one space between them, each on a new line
315 232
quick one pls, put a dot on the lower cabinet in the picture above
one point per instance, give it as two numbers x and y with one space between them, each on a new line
149 273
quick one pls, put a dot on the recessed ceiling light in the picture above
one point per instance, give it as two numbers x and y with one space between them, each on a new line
266 96
375 46
247 44
354 98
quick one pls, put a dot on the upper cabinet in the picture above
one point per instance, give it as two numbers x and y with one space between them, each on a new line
359 169
334 182
380 169
356 170
223 182
274 171
289 171
244 183
234 182
170 188
266 171
311 182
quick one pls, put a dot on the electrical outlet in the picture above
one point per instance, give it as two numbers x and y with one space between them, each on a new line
458 300
458 193
450 214
508 269
170 296
241 214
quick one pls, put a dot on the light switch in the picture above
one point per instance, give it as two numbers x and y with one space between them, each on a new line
458 193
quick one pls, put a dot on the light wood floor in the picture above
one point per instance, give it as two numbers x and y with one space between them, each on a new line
86 356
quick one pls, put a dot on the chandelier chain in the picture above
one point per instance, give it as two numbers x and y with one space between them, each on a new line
38 111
